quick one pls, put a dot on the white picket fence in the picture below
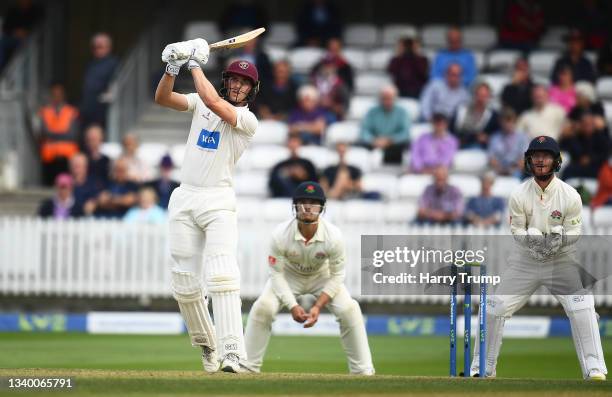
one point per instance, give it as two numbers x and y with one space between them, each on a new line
101 258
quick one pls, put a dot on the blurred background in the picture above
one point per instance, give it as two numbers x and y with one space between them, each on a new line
380 104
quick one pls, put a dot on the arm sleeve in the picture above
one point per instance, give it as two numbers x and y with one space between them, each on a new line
192 101
277 262
337 258
246 122
426 101
518 219
403 130
416 158
367 127
471 70
573 218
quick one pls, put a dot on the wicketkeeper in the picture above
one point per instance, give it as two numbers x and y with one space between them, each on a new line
546 222
307 256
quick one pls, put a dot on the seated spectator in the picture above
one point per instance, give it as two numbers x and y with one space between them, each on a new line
517 94
317 22
343 181
387 126
84 189
288 174
564 93
522 26
147 210
96 81
588 149
254 53
334 93
587 102
99 163
335 57
277 98
604 186
455 54
409 69
545 118
443 96
604 58
309 120
59 128
474 122
575 58
242 15
120 194
164 185
507 147
440 203
485 210
138 170
434 149
62 205
19 22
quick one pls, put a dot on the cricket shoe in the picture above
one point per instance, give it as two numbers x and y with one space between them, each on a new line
231 363
596 374
210 359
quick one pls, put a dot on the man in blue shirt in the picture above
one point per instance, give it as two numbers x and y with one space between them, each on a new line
485 210
455 53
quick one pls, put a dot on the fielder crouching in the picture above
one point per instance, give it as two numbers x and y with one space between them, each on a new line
307 256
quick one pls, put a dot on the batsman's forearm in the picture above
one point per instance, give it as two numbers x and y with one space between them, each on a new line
205 89
164 88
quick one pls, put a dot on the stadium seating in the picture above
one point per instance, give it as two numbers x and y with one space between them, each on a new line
253 184
602 216
360 157
469 185
400 211
369 83
393 32
385 184
111 149
271 132
378 59
470 161
418 129
412 106
321 157
262 157
608 110
434 36
356 58
553 38
363 211
177 153
412 186
590 184
207 30
504 186
361 35
541 62
277 209
604 88
151 153
479 37
497 82
276 53
359 106
342 131
502 60
280 34
302 59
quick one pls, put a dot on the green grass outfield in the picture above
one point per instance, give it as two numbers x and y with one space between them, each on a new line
120 365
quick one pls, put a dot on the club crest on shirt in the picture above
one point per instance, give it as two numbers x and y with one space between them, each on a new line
556 214
271 260
209 139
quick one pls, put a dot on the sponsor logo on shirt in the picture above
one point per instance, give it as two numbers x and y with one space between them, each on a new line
556 214
209 139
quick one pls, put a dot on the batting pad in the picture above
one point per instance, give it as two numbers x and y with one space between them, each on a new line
223 282
194 309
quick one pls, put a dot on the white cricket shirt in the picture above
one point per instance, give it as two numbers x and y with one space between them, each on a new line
214 146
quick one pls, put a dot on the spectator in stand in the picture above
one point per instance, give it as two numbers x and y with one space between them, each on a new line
138 170
62 205
147 210
455 54
58 134
96 82
564 93
474 122
440 203
544 118
586 102
434 149
485 210
574 57
253 52
19 21
309 119
517 94
164 185
409 69
334 93
604 58
604 185
588 149
334 56
317 22
99 163
507 147
443 96
84 188
342 181
288 174
277 99
522 26
120 194
242 15
386 126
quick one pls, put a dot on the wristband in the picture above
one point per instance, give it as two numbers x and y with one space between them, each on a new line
192 64
172 70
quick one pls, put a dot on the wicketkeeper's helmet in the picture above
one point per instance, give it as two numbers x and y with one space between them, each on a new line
309 190
244 69
543 144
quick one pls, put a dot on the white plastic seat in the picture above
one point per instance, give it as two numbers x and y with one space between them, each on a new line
469 185
302 59
363 211
434 36
590 184
359 157
412 106
502 60
400 211
385 184
470 161
177 152
254 184
277 209
497 82
413 185
541 62
479 37
361 35
276 53
418 129
370 83
602 217
604 88
248 208
320 156
393 32
504 186
152 152
111 149
378 59
356 58
206 30
553 38
262 157
359 106
587 218
342 131
608 110
271 132
281 34
479 59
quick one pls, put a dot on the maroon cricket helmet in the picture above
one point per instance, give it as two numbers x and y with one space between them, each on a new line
244 69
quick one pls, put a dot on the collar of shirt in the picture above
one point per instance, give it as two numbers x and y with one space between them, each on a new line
550 188
318 236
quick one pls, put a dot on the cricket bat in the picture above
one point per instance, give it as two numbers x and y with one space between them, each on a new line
236 42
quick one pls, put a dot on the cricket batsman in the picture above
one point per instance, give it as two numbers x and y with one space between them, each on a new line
202 211
546 222
307 256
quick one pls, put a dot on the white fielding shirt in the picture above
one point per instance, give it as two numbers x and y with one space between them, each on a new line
290 253
214 146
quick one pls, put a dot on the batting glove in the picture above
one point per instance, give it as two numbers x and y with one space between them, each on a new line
200 51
